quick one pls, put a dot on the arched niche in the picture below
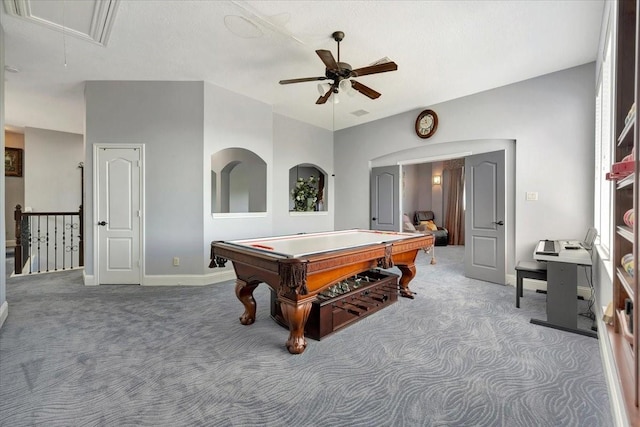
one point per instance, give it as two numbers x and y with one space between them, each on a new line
238 181
304 171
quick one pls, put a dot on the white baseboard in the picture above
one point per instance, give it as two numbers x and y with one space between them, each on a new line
189 279
616 400
88 279
4 312
534 285
176 280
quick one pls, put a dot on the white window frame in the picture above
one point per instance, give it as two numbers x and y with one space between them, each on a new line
604 148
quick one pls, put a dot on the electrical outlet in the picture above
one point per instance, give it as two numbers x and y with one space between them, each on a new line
532 195
176 261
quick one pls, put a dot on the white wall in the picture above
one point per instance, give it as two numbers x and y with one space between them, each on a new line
52 178
551 118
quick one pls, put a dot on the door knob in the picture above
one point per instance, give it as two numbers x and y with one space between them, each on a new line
498 222
373 219
103 223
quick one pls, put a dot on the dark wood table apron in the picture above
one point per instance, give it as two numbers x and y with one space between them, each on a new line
297 281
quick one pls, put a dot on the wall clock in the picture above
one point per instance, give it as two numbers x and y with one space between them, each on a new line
426 124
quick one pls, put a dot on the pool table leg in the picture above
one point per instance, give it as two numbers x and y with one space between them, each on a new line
296 316
244 292
408 273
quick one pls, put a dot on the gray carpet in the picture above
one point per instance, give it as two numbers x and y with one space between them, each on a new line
460 354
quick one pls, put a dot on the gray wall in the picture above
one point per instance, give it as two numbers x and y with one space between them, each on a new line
297 143
182 124
13 187
52 179
235 121
251 173
3 280
167 117
419 192
551 118
411 189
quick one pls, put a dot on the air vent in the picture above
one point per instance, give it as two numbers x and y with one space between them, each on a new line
92 19
13 7
359 113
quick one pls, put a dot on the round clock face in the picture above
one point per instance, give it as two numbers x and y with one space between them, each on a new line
426 123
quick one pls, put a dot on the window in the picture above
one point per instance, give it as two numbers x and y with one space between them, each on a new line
603 148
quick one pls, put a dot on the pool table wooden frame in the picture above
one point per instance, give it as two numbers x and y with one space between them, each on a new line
297 280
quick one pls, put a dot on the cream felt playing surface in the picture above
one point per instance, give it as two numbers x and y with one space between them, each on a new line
305 244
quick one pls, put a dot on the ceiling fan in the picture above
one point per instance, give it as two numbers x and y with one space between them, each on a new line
341 72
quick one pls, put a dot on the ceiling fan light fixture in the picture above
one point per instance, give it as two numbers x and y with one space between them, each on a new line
345 87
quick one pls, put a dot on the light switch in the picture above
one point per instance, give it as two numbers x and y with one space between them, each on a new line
532 195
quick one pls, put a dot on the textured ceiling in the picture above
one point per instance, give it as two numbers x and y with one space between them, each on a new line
444 50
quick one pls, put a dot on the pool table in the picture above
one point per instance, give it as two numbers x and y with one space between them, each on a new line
298 267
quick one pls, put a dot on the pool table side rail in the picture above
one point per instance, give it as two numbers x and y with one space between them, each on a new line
314 273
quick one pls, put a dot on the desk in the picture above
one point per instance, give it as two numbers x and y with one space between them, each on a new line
300 266
562 287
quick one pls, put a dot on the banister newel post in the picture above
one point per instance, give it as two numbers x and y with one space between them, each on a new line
17 252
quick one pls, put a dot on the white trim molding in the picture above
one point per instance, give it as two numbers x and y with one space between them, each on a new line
190 279
89 279
4 312
94 28
616 400
308 213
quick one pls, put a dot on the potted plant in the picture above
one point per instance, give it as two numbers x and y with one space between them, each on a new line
305 194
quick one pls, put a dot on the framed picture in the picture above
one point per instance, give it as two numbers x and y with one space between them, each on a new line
12 161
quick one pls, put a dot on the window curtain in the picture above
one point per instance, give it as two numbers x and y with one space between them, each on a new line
454 218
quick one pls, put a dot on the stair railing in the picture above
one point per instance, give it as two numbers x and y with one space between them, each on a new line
48 241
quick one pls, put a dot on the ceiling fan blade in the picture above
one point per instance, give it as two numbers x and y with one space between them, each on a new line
327 57
326 96
375 69
365 90
304 79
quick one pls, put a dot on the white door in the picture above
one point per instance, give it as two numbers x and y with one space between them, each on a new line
385 198
485 215
119 214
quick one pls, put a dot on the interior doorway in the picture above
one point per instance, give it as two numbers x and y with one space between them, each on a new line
119 213
426 186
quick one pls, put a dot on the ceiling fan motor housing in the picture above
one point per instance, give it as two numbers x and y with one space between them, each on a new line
343 72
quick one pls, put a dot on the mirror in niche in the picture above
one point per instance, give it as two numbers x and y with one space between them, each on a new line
308 191
238 182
